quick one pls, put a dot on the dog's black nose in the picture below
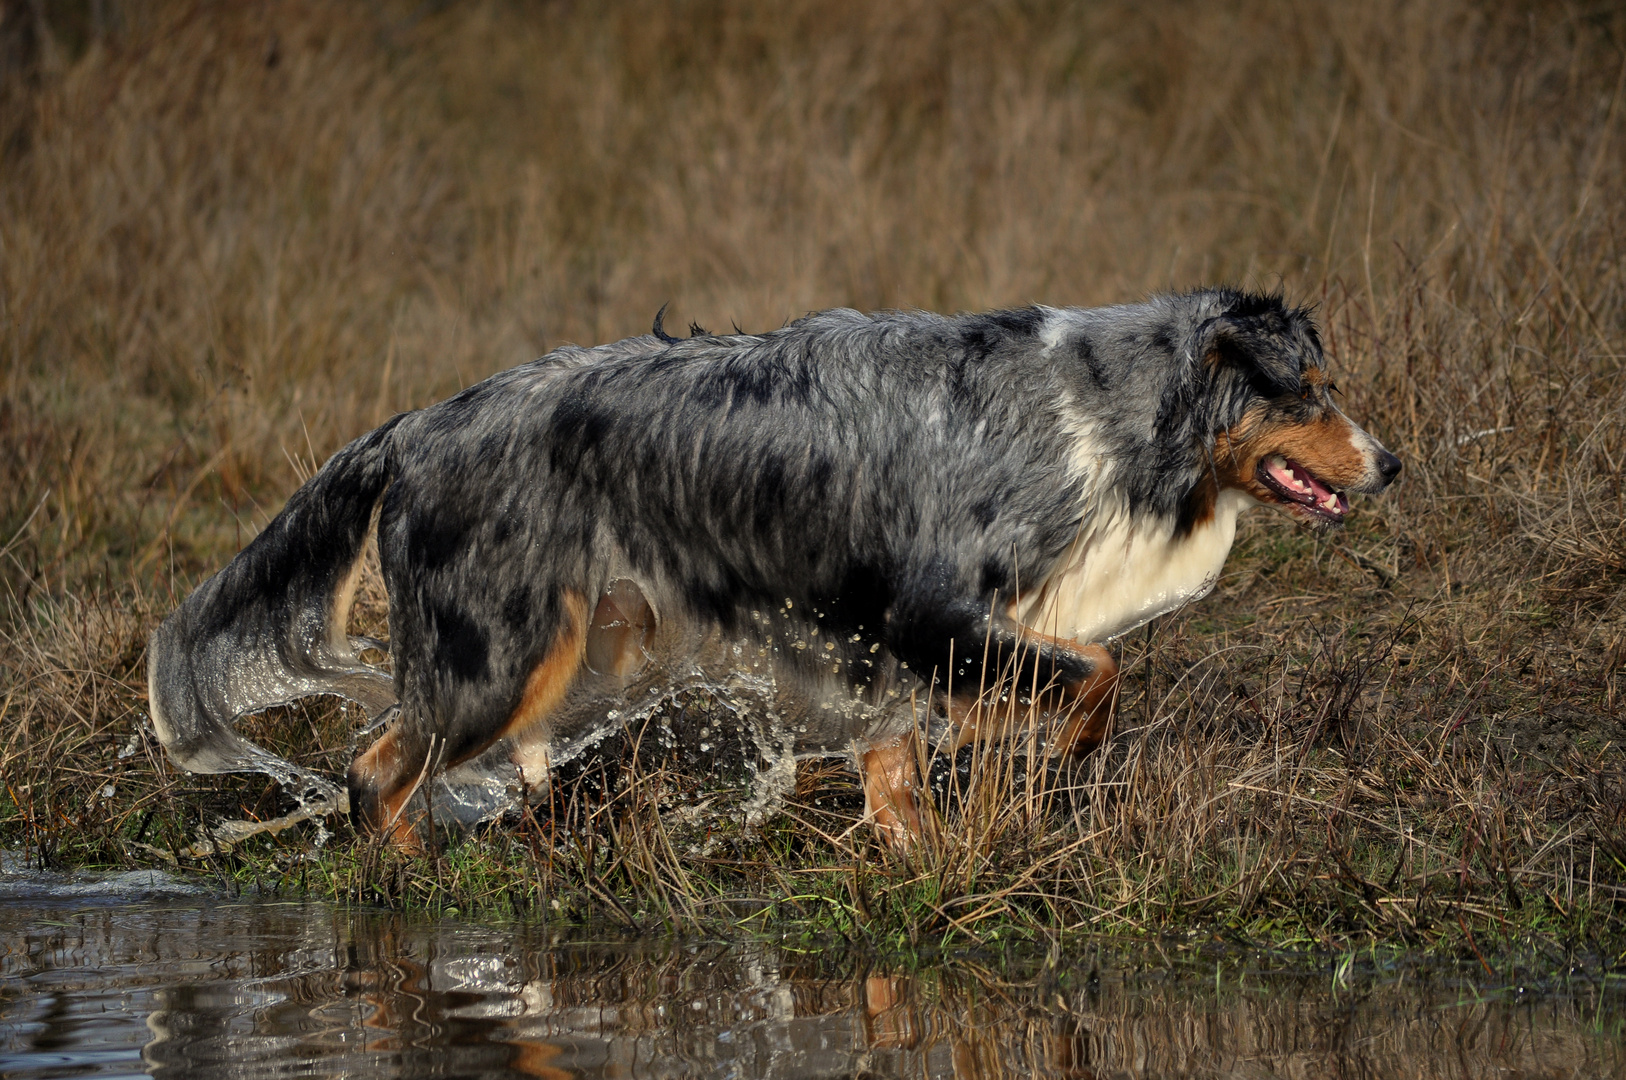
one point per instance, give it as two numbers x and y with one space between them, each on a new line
1388 465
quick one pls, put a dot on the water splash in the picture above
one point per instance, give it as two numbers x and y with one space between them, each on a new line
744 708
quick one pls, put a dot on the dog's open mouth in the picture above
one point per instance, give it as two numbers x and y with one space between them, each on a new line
1296 484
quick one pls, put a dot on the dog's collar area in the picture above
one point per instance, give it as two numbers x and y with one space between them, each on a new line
1297 484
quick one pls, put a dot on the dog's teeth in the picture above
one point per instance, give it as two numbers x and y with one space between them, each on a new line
1331 503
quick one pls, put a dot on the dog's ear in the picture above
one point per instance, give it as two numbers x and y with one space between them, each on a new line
1260 348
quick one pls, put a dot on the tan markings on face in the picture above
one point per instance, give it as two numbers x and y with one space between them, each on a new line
548 681
1326 446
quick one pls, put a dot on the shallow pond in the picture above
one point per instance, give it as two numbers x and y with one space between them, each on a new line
136 974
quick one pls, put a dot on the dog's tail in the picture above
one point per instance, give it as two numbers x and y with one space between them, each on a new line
270 627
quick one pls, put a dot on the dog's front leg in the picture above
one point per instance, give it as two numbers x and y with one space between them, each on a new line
1089 704
1086 703
959 647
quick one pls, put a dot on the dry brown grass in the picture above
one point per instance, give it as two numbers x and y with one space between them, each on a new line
232 239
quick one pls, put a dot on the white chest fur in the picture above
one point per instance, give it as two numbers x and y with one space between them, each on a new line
1121 573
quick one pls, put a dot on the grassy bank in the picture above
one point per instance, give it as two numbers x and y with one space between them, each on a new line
231 240
1298 787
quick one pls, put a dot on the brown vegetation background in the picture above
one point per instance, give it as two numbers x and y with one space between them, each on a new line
233 237
234 233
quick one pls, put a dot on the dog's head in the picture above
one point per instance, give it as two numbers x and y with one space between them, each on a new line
1279 436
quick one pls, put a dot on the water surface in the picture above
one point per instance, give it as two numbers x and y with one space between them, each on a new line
139 974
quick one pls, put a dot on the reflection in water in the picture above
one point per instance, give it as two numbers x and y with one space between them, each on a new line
183 986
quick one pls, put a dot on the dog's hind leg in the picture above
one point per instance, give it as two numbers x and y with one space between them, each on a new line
891 778
384 778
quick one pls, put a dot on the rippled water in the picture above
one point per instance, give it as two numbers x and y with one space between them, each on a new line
136 974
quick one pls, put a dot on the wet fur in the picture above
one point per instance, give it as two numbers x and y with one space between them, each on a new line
928 492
